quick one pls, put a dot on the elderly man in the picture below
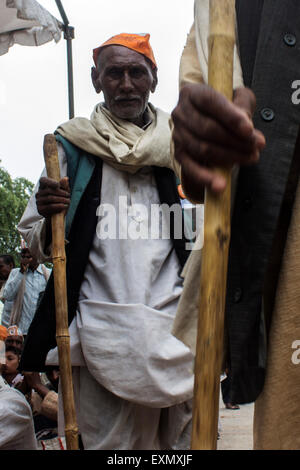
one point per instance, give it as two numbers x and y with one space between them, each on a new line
133 380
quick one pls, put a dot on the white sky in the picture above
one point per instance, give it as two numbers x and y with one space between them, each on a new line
33 80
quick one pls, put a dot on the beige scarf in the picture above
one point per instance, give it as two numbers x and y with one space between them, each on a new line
277 410
120 143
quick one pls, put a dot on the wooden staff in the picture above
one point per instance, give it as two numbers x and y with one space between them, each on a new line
210 336
61 306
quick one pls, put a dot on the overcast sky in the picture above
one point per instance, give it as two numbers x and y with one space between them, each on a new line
33 80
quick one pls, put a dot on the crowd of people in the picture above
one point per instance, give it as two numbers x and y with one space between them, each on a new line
36 394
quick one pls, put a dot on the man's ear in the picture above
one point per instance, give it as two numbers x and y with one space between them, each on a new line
95 79
155 80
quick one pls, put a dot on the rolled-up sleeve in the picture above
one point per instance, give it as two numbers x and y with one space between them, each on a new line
32 225
12 284
10 293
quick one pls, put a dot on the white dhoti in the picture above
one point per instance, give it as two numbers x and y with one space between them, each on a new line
106 421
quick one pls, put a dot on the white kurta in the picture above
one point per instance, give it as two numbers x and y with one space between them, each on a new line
127 303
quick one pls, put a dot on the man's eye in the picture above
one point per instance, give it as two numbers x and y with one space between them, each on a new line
136 72
115 73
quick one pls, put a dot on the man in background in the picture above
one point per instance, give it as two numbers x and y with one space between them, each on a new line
22 290
6 265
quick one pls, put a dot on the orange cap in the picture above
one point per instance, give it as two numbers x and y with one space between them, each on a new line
136 42
3 333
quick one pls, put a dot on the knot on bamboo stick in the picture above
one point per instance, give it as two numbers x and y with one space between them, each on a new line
222 237
59 258
73 430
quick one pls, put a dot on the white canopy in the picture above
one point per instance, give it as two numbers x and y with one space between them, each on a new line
27 23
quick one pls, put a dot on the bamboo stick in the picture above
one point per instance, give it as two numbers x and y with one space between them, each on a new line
210 335
61 307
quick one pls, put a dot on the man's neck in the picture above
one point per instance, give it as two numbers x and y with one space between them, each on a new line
143 120
34 267
10 377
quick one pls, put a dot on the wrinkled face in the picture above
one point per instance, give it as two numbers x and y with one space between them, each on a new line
4 270
12 362
126 79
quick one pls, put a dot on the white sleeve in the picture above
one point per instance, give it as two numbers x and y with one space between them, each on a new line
17 429
201 13
32 225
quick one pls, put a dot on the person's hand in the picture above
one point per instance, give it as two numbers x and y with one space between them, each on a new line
211 132
25 261
32 379
33 382
52 196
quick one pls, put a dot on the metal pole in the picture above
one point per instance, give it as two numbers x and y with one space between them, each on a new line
68 35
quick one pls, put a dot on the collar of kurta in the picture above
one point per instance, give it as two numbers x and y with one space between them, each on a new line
121 143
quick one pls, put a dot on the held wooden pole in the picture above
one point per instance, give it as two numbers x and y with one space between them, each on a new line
210 336
61 307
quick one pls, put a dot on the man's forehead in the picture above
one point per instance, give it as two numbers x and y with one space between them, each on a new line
120 55
26 253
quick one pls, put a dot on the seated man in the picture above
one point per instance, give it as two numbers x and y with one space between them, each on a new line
133 380
10 372
16 430
15 337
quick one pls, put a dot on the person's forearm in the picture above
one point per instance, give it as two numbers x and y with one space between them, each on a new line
12 286
49 405
41 389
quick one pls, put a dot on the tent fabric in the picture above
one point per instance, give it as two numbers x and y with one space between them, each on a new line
27 23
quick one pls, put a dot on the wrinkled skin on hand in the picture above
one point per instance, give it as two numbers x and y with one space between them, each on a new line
210 132
52 197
